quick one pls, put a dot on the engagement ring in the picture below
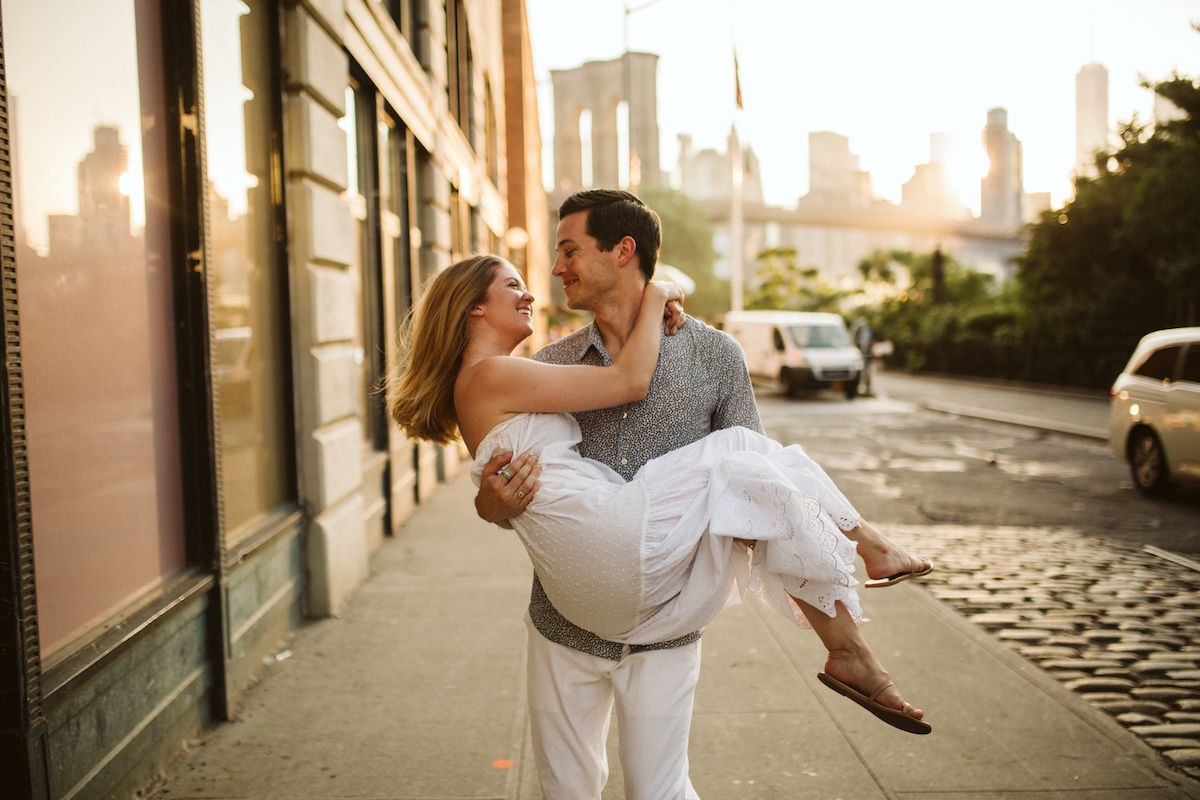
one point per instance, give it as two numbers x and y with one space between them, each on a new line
520 494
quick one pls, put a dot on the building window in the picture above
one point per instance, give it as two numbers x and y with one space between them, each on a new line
89 162
249 340
395 203
459 220
459 66
406 15
363 132
491 137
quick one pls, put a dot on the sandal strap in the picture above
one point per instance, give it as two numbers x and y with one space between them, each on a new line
881 690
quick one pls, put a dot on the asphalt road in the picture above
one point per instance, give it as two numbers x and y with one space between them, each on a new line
900 461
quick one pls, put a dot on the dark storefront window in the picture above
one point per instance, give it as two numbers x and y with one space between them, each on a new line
245 273
97 330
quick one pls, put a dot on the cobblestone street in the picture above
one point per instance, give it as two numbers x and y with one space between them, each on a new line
1119 626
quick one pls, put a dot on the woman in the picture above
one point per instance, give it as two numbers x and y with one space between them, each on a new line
659 556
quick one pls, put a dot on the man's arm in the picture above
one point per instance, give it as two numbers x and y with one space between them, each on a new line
500 498
736 404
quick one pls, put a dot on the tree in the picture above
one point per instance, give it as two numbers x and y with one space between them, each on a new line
1122 258
1163 215
687 246
936 312
780 283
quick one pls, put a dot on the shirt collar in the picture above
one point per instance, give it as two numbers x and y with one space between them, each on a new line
585 339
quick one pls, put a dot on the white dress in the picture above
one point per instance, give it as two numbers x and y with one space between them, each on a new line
654 559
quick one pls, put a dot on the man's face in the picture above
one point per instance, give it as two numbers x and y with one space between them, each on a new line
588 274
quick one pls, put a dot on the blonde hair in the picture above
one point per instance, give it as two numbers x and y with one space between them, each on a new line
433 340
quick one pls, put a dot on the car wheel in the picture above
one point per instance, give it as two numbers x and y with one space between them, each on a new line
1148 464
852 388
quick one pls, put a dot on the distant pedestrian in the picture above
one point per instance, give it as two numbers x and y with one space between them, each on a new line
864 340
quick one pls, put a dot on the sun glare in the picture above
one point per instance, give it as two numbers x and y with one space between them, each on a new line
967 169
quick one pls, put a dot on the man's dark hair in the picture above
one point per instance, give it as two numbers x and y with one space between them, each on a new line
613 215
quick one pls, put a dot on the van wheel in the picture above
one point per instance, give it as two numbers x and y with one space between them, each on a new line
1148 464
791 386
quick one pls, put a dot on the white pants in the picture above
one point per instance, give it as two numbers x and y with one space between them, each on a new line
571 699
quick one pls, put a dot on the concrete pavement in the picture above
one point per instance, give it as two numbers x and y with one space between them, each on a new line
417 692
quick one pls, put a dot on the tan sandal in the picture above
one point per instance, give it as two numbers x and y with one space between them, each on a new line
897 718
892 580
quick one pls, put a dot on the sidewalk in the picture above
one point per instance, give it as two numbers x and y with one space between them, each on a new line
417 692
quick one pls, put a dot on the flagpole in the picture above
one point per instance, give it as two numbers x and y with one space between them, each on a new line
736 234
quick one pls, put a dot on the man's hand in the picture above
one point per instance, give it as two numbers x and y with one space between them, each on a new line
507 486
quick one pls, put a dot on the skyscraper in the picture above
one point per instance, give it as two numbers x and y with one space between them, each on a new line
1091 116
834 177
1000 200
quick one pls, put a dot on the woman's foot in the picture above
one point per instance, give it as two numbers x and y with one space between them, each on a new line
887 563
863 679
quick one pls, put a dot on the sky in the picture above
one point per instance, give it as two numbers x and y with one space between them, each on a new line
884 73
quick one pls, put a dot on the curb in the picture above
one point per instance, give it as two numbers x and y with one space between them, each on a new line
1018 419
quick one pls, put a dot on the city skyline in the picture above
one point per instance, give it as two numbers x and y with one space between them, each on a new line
924 67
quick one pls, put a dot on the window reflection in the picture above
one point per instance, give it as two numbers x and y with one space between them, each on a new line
248 347
95 292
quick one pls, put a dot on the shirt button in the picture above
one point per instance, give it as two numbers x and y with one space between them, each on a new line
624 415
624 461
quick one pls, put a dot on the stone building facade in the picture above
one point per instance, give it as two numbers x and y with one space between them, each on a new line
214 215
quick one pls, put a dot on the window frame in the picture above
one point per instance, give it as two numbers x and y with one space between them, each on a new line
207 559
288 513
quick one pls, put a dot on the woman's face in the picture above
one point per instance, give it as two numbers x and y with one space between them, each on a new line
508 305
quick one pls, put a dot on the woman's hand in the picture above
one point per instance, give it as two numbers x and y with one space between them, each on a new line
672 294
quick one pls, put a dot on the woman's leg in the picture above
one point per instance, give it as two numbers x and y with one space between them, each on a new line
851 660
886 561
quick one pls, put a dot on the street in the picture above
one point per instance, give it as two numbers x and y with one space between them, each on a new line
1038 537
901 463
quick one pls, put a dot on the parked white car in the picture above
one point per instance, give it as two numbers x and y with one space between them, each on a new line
1154 416
797 350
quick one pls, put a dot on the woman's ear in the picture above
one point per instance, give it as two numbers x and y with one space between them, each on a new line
477 311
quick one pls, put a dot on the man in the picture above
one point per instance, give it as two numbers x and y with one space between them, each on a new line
607 244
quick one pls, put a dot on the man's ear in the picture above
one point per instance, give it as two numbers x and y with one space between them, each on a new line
626 249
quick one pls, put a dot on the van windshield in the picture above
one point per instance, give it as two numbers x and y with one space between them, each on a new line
819 336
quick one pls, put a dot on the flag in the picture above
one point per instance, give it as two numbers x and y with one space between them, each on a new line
737 81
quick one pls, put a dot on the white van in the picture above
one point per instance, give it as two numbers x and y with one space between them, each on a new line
797 350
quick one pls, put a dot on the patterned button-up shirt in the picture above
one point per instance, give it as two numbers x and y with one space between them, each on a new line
700 385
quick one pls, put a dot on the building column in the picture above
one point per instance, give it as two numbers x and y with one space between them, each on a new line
324 309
